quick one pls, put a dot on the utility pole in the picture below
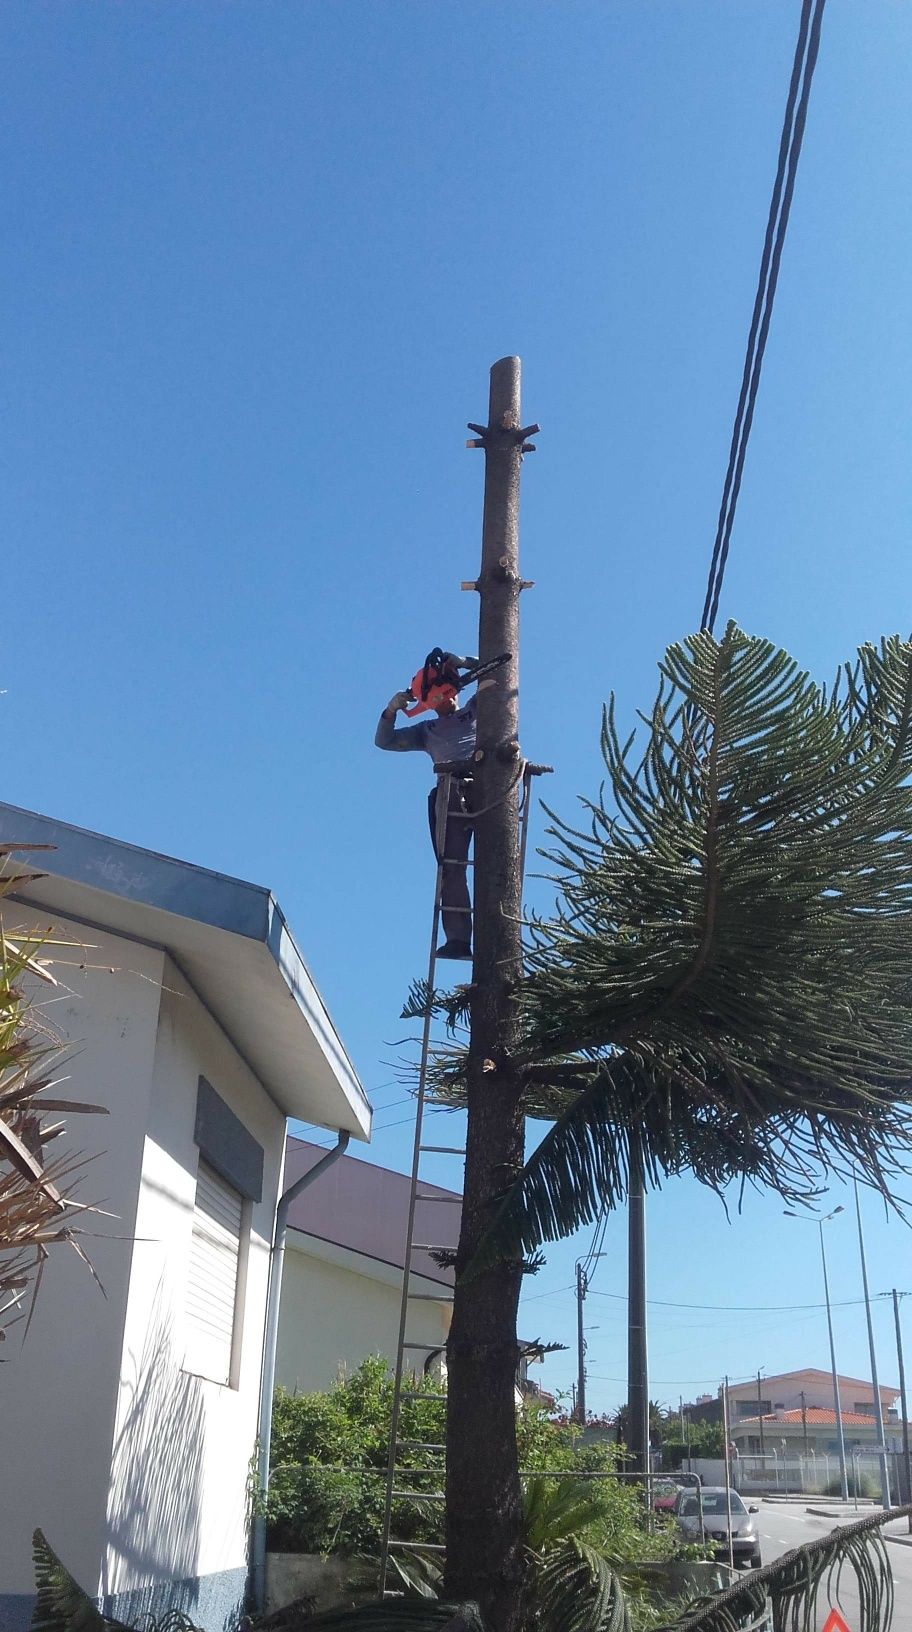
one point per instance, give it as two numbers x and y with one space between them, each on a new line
878 1406
907 1494
760 1415
804 1422
582 1287
484 1554
637 1359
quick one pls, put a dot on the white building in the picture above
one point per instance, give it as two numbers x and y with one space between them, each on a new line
342 1282
130 1419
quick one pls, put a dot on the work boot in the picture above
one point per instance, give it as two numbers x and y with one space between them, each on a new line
455 949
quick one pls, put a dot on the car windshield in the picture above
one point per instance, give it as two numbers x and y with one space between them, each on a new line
714 1504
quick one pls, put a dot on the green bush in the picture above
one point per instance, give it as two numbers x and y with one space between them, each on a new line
867 1485
316 1505
703 1439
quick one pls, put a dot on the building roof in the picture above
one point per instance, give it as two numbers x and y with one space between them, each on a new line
817 1417
229 939
812 1372
362 1208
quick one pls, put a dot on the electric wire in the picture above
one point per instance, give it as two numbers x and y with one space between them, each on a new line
805 61
748 1308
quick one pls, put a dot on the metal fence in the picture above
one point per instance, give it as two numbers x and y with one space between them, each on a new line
818 1474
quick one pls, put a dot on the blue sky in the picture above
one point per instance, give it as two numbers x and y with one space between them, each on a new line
258 258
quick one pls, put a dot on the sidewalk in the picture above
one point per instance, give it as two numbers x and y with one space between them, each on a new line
897 1531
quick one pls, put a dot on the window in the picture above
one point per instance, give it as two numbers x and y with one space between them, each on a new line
714 1503
217 1259
753 1408
864 1408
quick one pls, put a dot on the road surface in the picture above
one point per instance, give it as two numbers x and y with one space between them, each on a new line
784 1525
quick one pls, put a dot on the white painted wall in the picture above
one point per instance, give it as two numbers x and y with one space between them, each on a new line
332 1316
182 1443
59 1385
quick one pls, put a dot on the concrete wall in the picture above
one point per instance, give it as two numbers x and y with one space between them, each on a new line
183 1444
332 1316
59 1385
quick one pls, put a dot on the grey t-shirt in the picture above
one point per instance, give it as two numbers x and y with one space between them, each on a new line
444 737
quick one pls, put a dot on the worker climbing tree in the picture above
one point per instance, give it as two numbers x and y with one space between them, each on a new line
450 738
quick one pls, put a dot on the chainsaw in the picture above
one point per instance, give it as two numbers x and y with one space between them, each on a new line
437 683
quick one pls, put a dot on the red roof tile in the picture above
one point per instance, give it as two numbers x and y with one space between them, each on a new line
817 1417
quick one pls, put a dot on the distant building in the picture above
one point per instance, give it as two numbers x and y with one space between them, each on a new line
798 1408
789 1390
812 1431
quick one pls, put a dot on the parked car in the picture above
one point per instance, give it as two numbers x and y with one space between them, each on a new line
716 1506
665 1493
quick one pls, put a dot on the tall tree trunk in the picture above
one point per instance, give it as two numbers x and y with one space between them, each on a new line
483 1500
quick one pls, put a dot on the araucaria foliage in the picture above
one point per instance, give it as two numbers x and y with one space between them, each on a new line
726 981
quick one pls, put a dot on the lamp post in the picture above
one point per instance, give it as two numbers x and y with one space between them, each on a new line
878 1407
826 1292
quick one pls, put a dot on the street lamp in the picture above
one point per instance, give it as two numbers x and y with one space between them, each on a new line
826 1292
878 1408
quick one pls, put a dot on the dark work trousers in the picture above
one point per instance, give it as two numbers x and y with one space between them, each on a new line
457 915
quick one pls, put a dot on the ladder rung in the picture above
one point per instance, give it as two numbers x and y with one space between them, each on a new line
420 1495
445 1150
419 1394
419 1546
457 909
433 1246
431 1297
449 1201
430 1348
419 1445
448 862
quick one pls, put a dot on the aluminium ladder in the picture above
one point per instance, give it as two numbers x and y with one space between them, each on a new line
445 777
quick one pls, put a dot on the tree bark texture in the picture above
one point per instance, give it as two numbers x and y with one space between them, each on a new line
484 1557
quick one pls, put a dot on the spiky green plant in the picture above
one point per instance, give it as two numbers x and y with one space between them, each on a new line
62 1605
725 987
38 1209
572 1586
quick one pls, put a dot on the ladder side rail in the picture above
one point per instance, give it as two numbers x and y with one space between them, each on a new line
440 814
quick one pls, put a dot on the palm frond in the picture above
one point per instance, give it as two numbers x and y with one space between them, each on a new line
61 1604
576 1590
555 1509
796 1582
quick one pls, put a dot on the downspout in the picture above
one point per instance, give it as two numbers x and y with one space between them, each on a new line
267 1380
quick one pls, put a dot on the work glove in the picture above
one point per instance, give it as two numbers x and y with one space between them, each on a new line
460 662
399 699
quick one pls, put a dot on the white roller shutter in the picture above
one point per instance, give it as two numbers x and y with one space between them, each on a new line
213 1276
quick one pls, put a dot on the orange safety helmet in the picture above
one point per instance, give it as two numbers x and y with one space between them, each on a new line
435 684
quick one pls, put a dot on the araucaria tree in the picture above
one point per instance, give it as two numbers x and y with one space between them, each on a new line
725 986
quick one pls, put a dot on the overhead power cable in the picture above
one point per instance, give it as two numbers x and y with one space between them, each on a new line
780 205
747 1308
